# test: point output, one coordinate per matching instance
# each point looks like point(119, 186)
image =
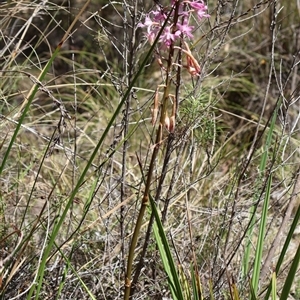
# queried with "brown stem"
point(145, 202)
point(159, 134)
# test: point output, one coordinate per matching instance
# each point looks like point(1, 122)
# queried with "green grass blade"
point(263, 221)
point(287, 242)
point(246, 257)
point(274, 296)
point(252, 293)
point(291, 275)
point(164, 259)
point(261, 237)
point(166, 255)
point(26, 109)
point(184, 284)
point(194, 284)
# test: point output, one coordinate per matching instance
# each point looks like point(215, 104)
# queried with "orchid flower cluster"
point(175, 21)
point(156, 18)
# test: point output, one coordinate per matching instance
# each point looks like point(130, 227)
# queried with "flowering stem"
point(157, 30)
point(145, 199)
point(158, 141)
